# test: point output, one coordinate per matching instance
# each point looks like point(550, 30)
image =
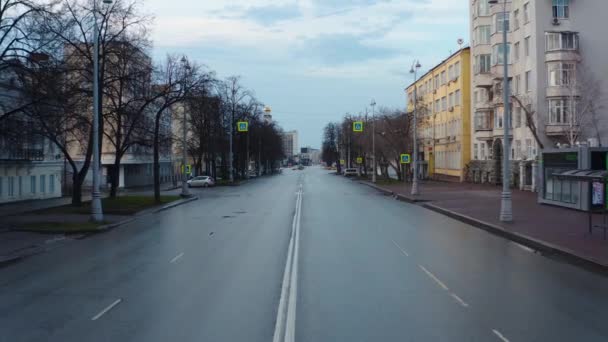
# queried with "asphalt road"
point(364, 267)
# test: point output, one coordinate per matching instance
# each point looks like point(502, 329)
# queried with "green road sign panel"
point(358, 126)
point(359, 160)
point(406, 159)
point(243, 126)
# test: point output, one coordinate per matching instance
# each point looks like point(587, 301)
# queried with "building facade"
point(555, 63)
point(290, 144)
point(444, 115)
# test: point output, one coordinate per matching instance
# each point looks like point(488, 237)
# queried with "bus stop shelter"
point(596, 181)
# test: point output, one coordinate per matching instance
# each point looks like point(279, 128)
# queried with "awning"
point(583, 175)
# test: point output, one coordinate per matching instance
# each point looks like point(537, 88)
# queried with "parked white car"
point(201, 181)
point(351, 172)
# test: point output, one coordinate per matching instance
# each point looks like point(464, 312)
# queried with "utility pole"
point(185, 192)
point(373, 104)
point(414, 70)
point(230, 156)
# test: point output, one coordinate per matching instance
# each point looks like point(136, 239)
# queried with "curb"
point(399, 197)
point(543, 246)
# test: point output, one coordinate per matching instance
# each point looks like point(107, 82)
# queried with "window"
point(517, 114)
point(559, 111)
point(482, 34)
point(483, 63)
point(526, 12)
point(561, 9)
point(561, 74)
point(517, 84)
point(42, 183)
point(529, 149)
point(483, 8)
point(516, 19)
point(498, 54)
point(457, 69)
point(475, 152)
point(527, 46)
point(528, 81)
point(52, 184)
point(457, 98)
point(444, 102)
point(482, 151)
point(498, 117)
point(451, 100)
point(11, 187)
point(516, 51)
point(451, 72)
point(561, 41)
point(437, 106)
point(516, 150)
point(443, 78)
point(437, 82)
point(502, 19)
point(33, 184)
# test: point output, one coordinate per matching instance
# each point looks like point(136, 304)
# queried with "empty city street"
point(301, 256)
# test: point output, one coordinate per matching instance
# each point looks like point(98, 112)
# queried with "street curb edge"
point(523, 239)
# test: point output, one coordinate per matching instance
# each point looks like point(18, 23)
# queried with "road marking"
point(433, 277)
point(108, 308)
point(177, 257)
point(401, 249)
point(284, 329)
point(525, 248)
point(459, 300)
point(55, 239)
point(500, 336)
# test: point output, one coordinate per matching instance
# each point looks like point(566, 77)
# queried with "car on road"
point(350, 172)
point(201, 181)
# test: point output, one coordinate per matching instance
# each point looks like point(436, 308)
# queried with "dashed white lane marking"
point(104, 311)
point(177, 257)
point(459, 300)
point(500, 336)
point(432, 276)
point(401, 249)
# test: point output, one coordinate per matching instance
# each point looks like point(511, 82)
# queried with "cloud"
point(269, 15)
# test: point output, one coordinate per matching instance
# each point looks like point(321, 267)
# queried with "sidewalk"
point(553, 229)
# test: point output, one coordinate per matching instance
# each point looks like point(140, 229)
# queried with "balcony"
point(554, 130)
point(497, 71)
point(562, 55)
point(483, 80)
point(483, 121)
point(23, 154)
point(561, 91)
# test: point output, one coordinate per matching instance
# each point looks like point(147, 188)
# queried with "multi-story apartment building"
point(444, 115)
point(556, 54)
point(30, 165)
point(290, 144)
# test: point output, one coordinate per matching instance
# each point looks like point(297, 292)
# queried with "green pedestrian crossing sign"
point(358, 126)
point(406, 159)
point(243, 126)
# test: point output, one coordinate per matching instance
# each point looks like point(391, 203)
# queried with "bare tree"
point(585, 96)
point(525, 103)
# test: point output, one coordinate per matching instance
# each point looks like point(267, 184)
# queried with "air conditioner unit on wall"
point(556, 21)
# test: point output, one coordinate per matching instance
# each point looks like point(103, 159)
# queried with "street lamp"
point(373, 104)
point(414, 70)
point(96, 208)
point(185, 192)
point(506, 206)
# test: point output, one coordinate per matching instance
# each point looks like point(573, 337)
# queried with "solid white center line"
point(177, 257)
point(433, 277)
point(459, 300)
point(102, 312)
point(401, 249)
point(500, 336)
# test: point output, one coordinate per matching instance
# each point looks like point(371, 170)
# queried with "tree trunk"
point(76, 190)
point(156, 160)
point(115, 177)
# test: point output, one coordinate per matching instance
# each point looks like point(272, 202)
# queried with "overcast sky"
point(312, 61)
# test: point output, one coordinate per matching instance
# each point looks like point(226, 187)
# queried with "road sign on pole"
point(358, 126)
point(359, 160)
point(406, 159)
point(242, 126)
point(187, 170)
point(342, 162)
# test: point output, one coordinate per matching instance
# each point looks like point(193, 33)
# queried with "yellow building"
point(444, 114)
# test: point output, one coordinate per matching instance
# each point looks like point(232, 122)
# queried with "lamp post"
point(373, 104)
point(506, 205)
point(96, 208)
point(185, 191)
point(414, 70)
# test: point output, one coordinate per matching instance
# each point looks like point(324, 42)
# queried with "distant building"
point(310, 156)
point(290, 144)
